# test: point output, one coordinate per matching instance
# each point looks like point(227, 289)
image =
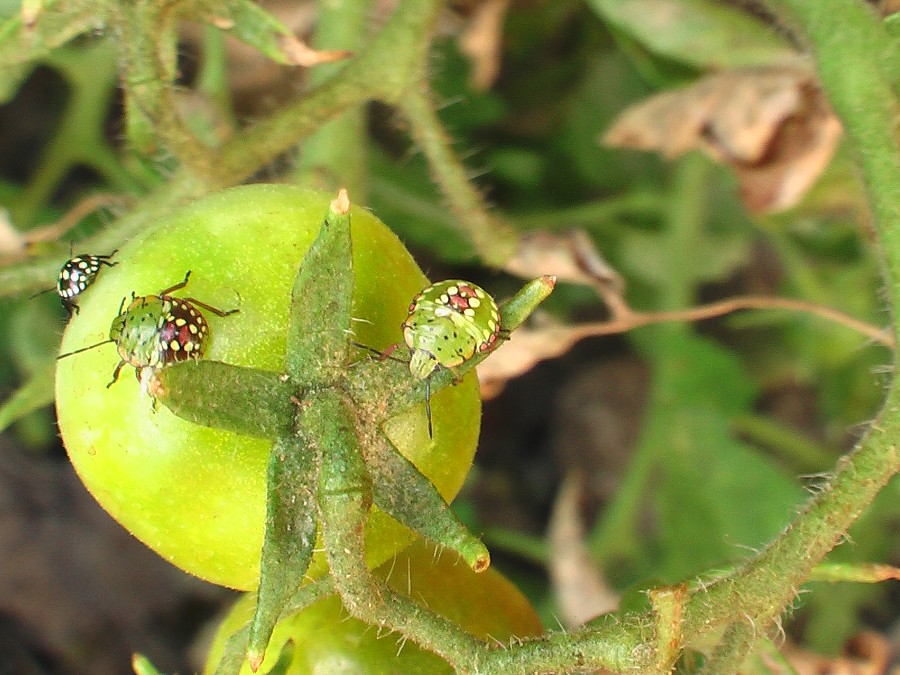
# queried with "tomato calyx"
point(330, 460)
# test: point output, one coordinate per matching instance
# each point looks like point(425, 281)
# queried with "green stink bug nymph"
point(157, 330)
point(448, 323)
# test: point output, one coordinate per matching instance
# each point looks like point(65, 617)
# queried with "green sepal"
point(332, 424)
point(219, 395)
point(321, 300)
point(406, 494)
point(235, 652)
point(290, 536)
point(372, 382)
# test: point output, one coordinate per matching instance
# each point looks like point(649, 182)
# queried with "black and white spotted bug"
point(76, 275)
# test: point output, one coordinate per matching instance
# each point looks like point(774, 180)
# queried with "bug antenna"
point(428, 406)
point(83, 349)
point(34, 295)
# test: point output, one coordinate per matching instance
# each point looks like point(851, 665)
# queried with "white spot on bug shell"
point(474, 302)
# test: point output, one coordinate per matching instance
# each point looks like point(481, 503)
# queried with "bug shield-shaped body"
point(155, 331)
point(448, 324)
point(76, 275)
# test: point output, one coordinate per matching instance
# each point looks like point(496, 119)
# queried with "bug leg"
point(382, 356)
point(105, 259)
point(367, 348)
point(34, 295)
point(177, 286)
point(214, 310)
point(116, 374)
point(83, 349)
point(386, 354)
point(428, 406)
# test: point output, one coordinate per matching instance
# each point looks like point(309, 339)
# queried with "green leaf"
point(715, 495)
point(35, 394)
point(719, 499)
point(702, 33)
point(717, 255)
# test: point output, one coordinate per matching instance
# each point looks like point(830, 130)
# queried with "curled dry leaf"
point(571, 257)
point(772, 126)
point(481, 42)
point(580, 589)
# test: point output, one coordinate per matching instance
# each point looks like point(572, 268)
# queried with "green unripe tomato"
point(196, 495)
point(327, 640)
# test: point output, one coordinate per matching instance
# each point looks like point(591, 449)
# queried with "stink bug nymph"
point(154, 331)
point(448, 323)
point(75, 276)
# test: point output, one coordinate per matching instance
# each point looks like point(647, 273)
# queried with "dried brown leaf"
point(581, 591)
point(525, 348)
point(772, 126)
point(888, 7)
point(865, 654)
point(572, 257)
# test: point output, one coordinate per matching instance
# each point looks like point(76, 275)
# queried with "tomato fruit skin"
point(196, 495)
point(327, 640)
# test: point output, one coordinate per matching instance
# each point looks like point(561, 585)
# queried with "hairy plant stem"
point(494, 239)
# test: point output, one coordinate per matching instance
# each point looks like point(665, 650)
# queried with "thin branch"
point(628, 320)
